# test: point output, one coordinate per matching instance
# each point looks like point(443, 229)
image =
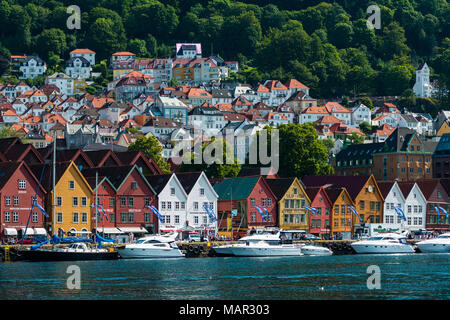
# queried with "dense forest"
point(324, 44)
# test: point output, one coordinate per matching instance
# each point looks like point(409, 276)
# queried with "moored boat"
point(155, 246)
point(383, 243)
point(312, 250)
point(74, 252)
point(440, 244)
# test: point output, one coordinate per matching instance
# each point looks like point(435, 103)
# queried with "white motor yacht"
point(440, 244)
point(259, 245)
point(156, 246)
point(311, 250)
point(383, 243)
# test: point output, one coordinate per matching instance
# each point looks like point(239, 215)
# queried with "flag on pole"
point(103, 211)
point(156, 212)
point(437, 211)
point(210, 212)
point(400, 213)
point(353, 209)
point(40, 208)
point(260, 212)
point(234, 213)
point(444, 211)
point(311, 209)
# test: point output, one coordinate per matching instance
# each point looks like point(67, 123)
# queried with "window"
point(72, 185)
point(112, 202)
point(252, 201)
point(35, 217)
point(169, 205)
point(74, 202)
point(112, 217)
point(22, 184)
point(295, 191)
point(7, 216)
point(123, 217)
point(195, 205)
point(146, 202)
point(372, 205)
point(253, 216)
point(336, 209)
point(286, 204)
point(264, 202)
point(183, 205)
point(195, 219)
point(177, 219)
point(409, 209)
point(205, 219)
point(336, 222)
point(58, 201)
point(84, 201)
point(177, 205)
point(75, 217)
point(123, 202)
point(269, 202)
point(361, 204)
point(84, 218)
point(134, 185)
point(59, 217)
point(202, 191)
point(130, 202)
point(16, 200)
point(7, 200)
point(378, 205)
point(130, 217)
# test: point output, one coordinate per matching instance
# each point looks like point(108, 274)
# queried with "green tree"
point(152, 149)
point(4, 65)
point(53, 40)
point(138, 47)
point(365, 127)
point(301, 152)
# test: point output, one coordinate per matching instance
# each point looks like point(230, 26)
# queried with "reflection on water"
point(411, 276)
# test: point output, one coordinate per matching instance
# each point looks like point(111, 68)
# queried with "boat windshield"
point(140, 241)
point(375, 238)
point(444, 236)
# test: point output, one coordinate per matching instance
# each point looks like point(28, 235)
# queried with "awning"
point(30, 231)
point(40, 232)
point(109, 230)
point(10, 231)
point(133, 230)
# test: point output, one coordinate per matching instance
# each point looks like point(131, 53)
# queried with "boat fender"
point(190, 248)
point(196, 250)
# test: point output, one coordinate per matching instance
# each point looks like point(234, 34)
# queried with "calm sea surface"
point(414, 276)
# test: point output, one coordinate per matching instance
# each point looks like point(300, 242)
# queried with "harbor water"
point(405, 276)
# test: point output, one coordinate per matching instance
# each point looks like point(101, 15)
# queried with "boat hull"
point(265, 252)
point(434, 247)
point(223, 251)
point(316, 251)
point(47, 255)
point(134, 253)
point(381, 248)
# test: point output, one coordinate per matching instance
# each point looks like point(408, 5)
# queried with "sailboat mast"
point(54, 182)
point(95, 201)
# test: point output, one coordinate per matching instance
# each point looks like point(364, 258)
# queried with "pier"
point(205, 249)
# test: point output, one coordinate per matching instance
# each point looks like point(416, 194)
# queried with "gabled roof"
point(280, 186)
point(7, 169)
point(405, 187)
point(19, 152)
point(236, 188)
point(99, 157)
point(353, 184)
point(188, 179)
point(385, 187)
point(427, 186)
point(158, 182)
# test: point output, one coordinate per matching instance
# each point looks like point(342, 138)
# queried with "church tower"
point(422, 86)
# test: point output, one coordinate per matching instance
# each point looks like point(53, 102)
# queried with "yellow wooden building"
point(292, 199)
point(73, 198)
point(341, 216)
point(444, 128)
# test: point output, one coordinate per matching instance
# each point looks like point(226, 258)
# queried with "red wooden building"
point(320, 222)
point(124, 193)
point(437, 196)
point(242, 194)
point(18, 187)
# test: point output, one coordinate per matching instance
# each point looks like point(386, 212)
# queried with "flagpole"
point(95, 203)
point(54, 182)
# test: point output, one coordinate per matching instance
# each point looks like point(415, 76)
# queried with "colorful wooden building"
point(292, 199)
point(18, 187)
point(73, 199)
point(320, 220)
